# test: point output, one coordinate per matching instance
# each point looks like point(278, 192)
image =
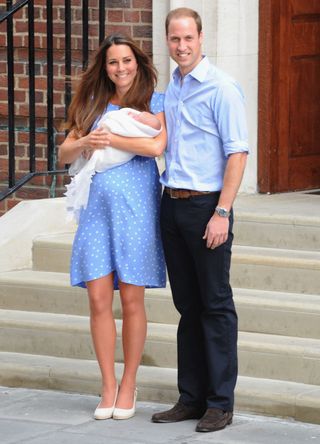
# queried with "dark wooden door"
point(289, 95)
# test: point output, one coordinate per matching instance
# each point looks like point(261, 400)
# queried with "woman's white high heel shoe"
point(126, 413)
point(106, 413)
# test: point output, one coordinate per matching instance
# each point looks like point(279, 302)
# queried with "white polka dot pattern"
point(119, 230)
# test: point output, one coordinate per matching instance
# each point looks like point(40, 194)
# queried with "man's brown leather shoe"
point(179, 412)
point(214, 419)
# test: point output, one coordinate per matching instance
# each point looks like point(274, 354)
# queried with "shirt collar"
point(199, 72)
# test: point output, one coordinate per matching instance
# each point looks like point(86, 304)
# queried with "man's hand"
point(216, 232)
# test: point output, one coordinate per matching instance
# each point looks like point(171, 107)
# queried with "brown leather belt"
point(176, 193)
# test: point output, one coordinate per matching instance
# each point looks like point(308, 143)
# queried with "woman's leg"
point(134, 329)
point(103, 331)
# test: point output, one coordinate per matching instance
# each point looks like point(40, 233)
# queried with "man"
point(205, 161)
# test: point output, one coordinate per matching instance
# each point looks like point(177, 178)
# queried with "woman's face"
point(121, 66)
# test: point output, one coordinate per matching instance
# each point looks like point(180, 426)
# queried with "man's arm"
point(216, 232)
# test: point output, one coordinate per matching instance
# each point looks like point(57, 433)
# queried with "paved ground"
point(47, 417)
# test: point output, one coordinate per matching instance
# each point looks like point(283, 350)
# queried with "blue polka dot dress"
point(119, 229)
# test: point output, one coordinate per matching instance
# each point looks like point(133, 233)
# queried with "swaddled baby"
point(124, 122)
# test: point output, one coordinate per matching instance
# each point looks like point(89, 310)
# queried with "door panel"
point(304, 107)
point(301, 7)
point(289, 94)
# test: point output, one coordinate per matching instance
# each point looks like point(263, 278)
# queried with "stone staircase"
point(45, 339)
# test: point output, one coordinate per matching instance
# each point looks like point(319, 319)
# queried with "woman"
point(117, 244)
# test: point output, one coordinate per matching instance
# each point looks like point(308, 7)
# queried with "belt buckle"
point(171, 190)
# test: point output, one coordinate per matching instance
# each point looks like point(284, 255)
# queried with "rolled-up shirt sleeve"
point(230, 116)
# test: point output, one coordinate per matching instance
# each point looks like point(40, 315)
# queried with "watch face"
point(222, 212)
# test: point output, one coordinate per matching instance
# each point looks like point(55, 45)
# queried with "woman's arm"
point(74, 146)
point(144, 146)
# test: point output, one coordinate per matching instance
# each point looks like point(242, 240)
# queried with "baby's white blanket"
point(117, 122)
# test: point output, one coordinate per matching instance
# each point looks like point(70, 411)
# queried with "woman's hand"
point(75, 145)
point(96, 139)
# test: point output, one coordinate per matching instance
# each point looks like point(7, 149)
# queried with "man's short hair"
point(184, 12)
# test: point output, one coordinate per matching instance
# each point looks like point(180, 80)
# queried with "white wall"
point(230, 30)
point(24, 222)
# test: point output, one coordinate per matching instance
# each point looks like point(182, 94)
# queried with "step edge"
point(288, 398)
point(166, 333)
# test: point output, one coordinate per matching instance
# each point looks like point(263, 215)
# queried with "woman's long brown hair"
point(95, 89)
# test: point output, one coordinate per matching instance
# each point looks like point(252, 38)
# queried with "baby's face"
point(135, 116)
point(146, 118)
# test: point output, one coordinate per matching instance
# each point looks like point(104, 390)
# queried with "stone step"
point(64, 335)
point(276, 269)
point(274, 231)
point(60, 335)
point(45, 291)
point(280, 313)
point(270, 269)
point(287, 221)
point(52, 252)
point(269, 397)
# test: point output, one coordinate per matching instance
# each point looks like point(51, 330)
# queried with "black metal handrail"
point(8, 17)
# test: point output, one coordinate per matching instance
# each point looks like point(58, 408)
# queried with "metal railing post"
point(50, 137)
point(11, 119)
point(32, 108)
point(8, 16)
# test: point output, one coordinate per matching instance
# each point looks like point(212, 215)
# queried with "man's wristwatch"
point(222, 212)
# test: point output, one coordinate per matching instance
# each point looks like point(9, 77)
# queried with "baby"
point(117, 122)
point(124, 122)
point(146, 118)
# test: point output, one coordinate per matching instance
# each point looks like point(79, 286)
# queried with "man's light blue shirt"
point(206, 122)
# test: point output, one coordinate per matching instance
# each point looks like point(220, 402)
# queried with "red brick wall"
point(131, 16)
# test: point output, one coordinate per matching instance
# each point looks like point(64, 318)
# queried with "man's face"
point(184, 43)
